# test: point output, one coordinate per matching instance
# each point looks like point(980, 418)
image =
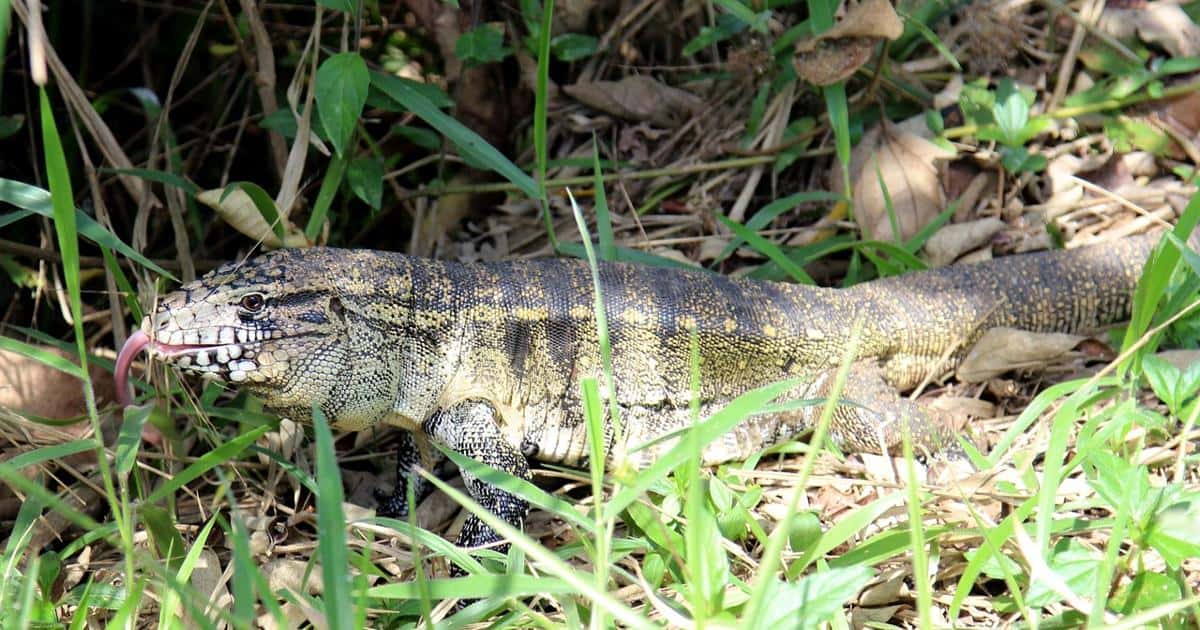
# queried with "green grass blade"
point(331, 528)
point(63, 208)
point(24, 611)
point(14, 549)
point(207, 462)
point(839, 119)
point(162, 177)
point(49, 359)
point(472, 146)
point(757, 606)
point(244, 571)
point(171, 600)
point(769, 249)
point(521, 488)
point(540, 105)
point(549, 562)
point(436, 544)
point(334, 174)
point(604, 228)
point(80, 618)
point(127, 293)
point(475, 587)
point(13, 217)
point(130, 438)
point(916, 530)
point(931, 37)
point(846, 529)
point(1156, 277)
point(710, 429)
point(769, 212)
point(39, 201)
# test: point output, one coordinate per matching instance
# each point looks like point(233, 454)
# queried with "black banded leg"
point(472, 427)
point(413, 451)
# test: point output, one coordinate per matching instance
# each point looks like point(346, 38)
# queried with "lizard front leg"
point(870, 416)
point(875, 417)
point(472, 427)
point(414, 450)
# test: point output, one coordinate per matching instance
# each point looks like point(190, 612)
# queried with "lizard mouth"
point(207, 359)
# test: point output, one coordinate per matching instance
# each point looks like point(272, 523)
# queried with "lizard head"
point(257, 325)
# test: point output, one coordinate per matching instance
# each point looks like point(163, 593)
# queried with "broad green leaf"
point(365, 176)
point(813, 599)
point(9, 125)
point(574, 46)
point(1011, 115)
point(1072, 563)
point(727, 26)
point(481, 45)
point(1175, 532)
point(162, 527)
point(1162, 377)
point(1146, 590)
point(345, 6)
point(342, 82)
point(130, 437)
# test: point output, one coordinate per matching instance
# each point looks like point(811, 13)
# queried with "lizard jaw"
point(214, 361)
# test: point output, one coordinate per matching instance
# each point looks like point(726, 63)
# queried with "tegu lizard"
point(487, 358)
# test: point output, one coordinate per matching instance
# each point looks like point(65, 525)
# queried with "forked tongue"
point(133, 346)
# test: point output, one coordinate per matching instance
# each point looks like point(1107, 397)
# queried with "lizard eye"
point(253, 302)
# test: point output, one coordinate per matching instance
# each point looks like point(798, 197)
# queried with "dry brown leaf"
point(953, 241)
point(961, 406)
point(240, 212)
point(835, 54)
point(861, 617)
point(207, 582)
point(907, 165)
point(1065, 189)
point(293, 617)
point(31, 387)
point(1182, 359)
point(834, 60)
point(1002, 349)
point(638, 97)
point(1162, 23)
point(286, 573)
point(890, 588)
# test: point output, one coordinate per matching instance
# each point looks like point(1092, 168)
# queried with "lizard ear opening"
point(336, 308)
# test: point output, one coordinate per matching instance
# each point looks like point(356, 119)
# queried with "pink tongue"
point(134, 345)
